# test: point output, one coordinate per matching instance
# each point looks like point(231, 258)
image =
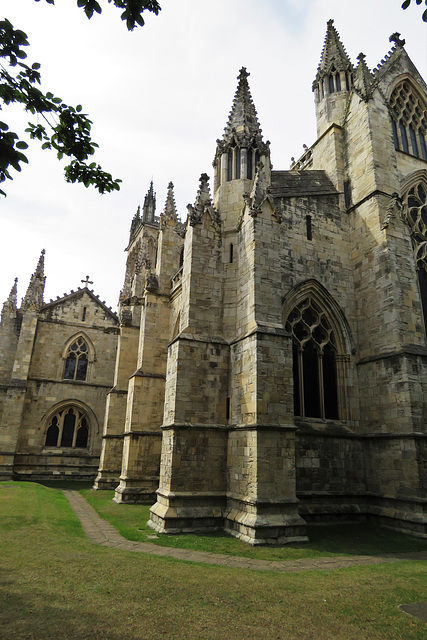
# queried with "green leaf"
point(21, 145)
point(406, 4)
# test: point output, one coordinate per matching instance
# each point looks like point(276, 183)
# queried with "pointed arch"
point(408, 111)
point(321, 347)
point(70, 425)
point(414, 213)
point(78, 356)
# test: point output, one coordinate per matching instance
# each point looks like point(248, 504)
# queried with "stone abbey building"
point(271, 363)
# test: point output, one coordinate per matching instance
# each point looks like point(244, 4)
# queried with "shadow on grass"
point(331, 540)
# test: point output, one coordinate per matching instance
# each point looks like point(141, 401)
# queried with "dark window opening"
point(237, 164)
point(52, 433)
point(227, 409)
point(330, 384)
point(310, 376)
point(77, 361)
point(181, 258)
point(338, 82)
point(422, 283)
point(249, 165)
point(404, 137)
point(331, 84)
point(395, 137)
point(347, 194)
point(84, 314)
point(423, 145)
point(413, 141)
point(308, 227)
point(230, 166)
point(231, 252)
point(68, 428)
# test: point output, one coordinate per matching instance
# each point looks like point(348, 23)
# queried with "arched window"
point(314, 361)
point(415, 214)
point(409, 120)
point(68, 427)
point(76, 360)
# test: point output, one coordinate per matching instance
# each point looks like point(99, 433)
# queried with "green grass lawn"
point(354, 539)
point(57, 585)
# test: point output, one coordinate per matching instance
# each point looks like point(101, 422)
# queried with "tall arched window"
point(314, 361)
point(415, 214)
point(68, 427)
point(76, 360)
point(409, 120)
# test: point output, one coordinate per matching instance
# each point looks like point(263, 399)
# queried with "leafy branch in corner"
point(132, 14)
point(406, 4)
point(65, 129)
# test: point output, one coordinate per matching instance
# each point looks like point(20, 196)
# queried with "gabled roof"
point(77, 294)
point(288, 184)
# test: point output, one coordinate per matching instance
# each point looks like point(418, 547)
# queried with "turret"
point(242, 146)
point(333, 81)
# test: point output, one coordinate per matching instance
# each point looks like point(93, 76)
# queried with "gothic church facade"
point(271, 365)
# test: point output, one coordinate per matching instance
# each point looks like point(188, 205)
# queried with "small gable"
point(80, 307)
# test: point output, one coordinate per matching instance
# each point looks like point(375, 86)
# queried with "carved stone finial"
point(395, 37)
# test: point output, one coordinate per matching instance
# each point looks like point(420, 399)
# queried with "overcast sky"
point(159, 98)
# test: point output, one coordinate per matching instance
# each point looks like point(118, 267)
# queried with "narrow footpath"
point(102, 532)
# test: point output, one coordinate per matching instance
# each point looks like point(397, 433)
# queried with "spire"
point(136, 220)
point(334, 56)
point(169, 212)
point(243, 126)
point(9, 307)
point(34, 297)
point(149, 207)
point(363, 79)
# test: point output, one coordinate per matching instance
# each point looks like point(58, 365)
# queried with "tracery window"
point(409, 120)
point(68, 427)
point(314, 361)
point(76, 361)
point(415, 213)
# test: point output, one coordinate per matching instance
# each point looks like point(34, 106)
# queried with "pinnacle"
point(34, 297)
point(333, 54)
point(169, 212)
point(243, 120)
point(10, 304)
point(149, 207)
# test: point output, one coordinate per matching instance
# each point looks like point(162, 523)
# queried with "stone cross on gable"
point(87, 281)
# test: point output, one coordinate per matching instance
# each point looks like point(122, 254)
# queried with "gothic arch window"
point(319, 352)
point(314, 369)
point(409, 120)
point(415, 214)
point(68, 427)
point(77, 356)
point(76, 361)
